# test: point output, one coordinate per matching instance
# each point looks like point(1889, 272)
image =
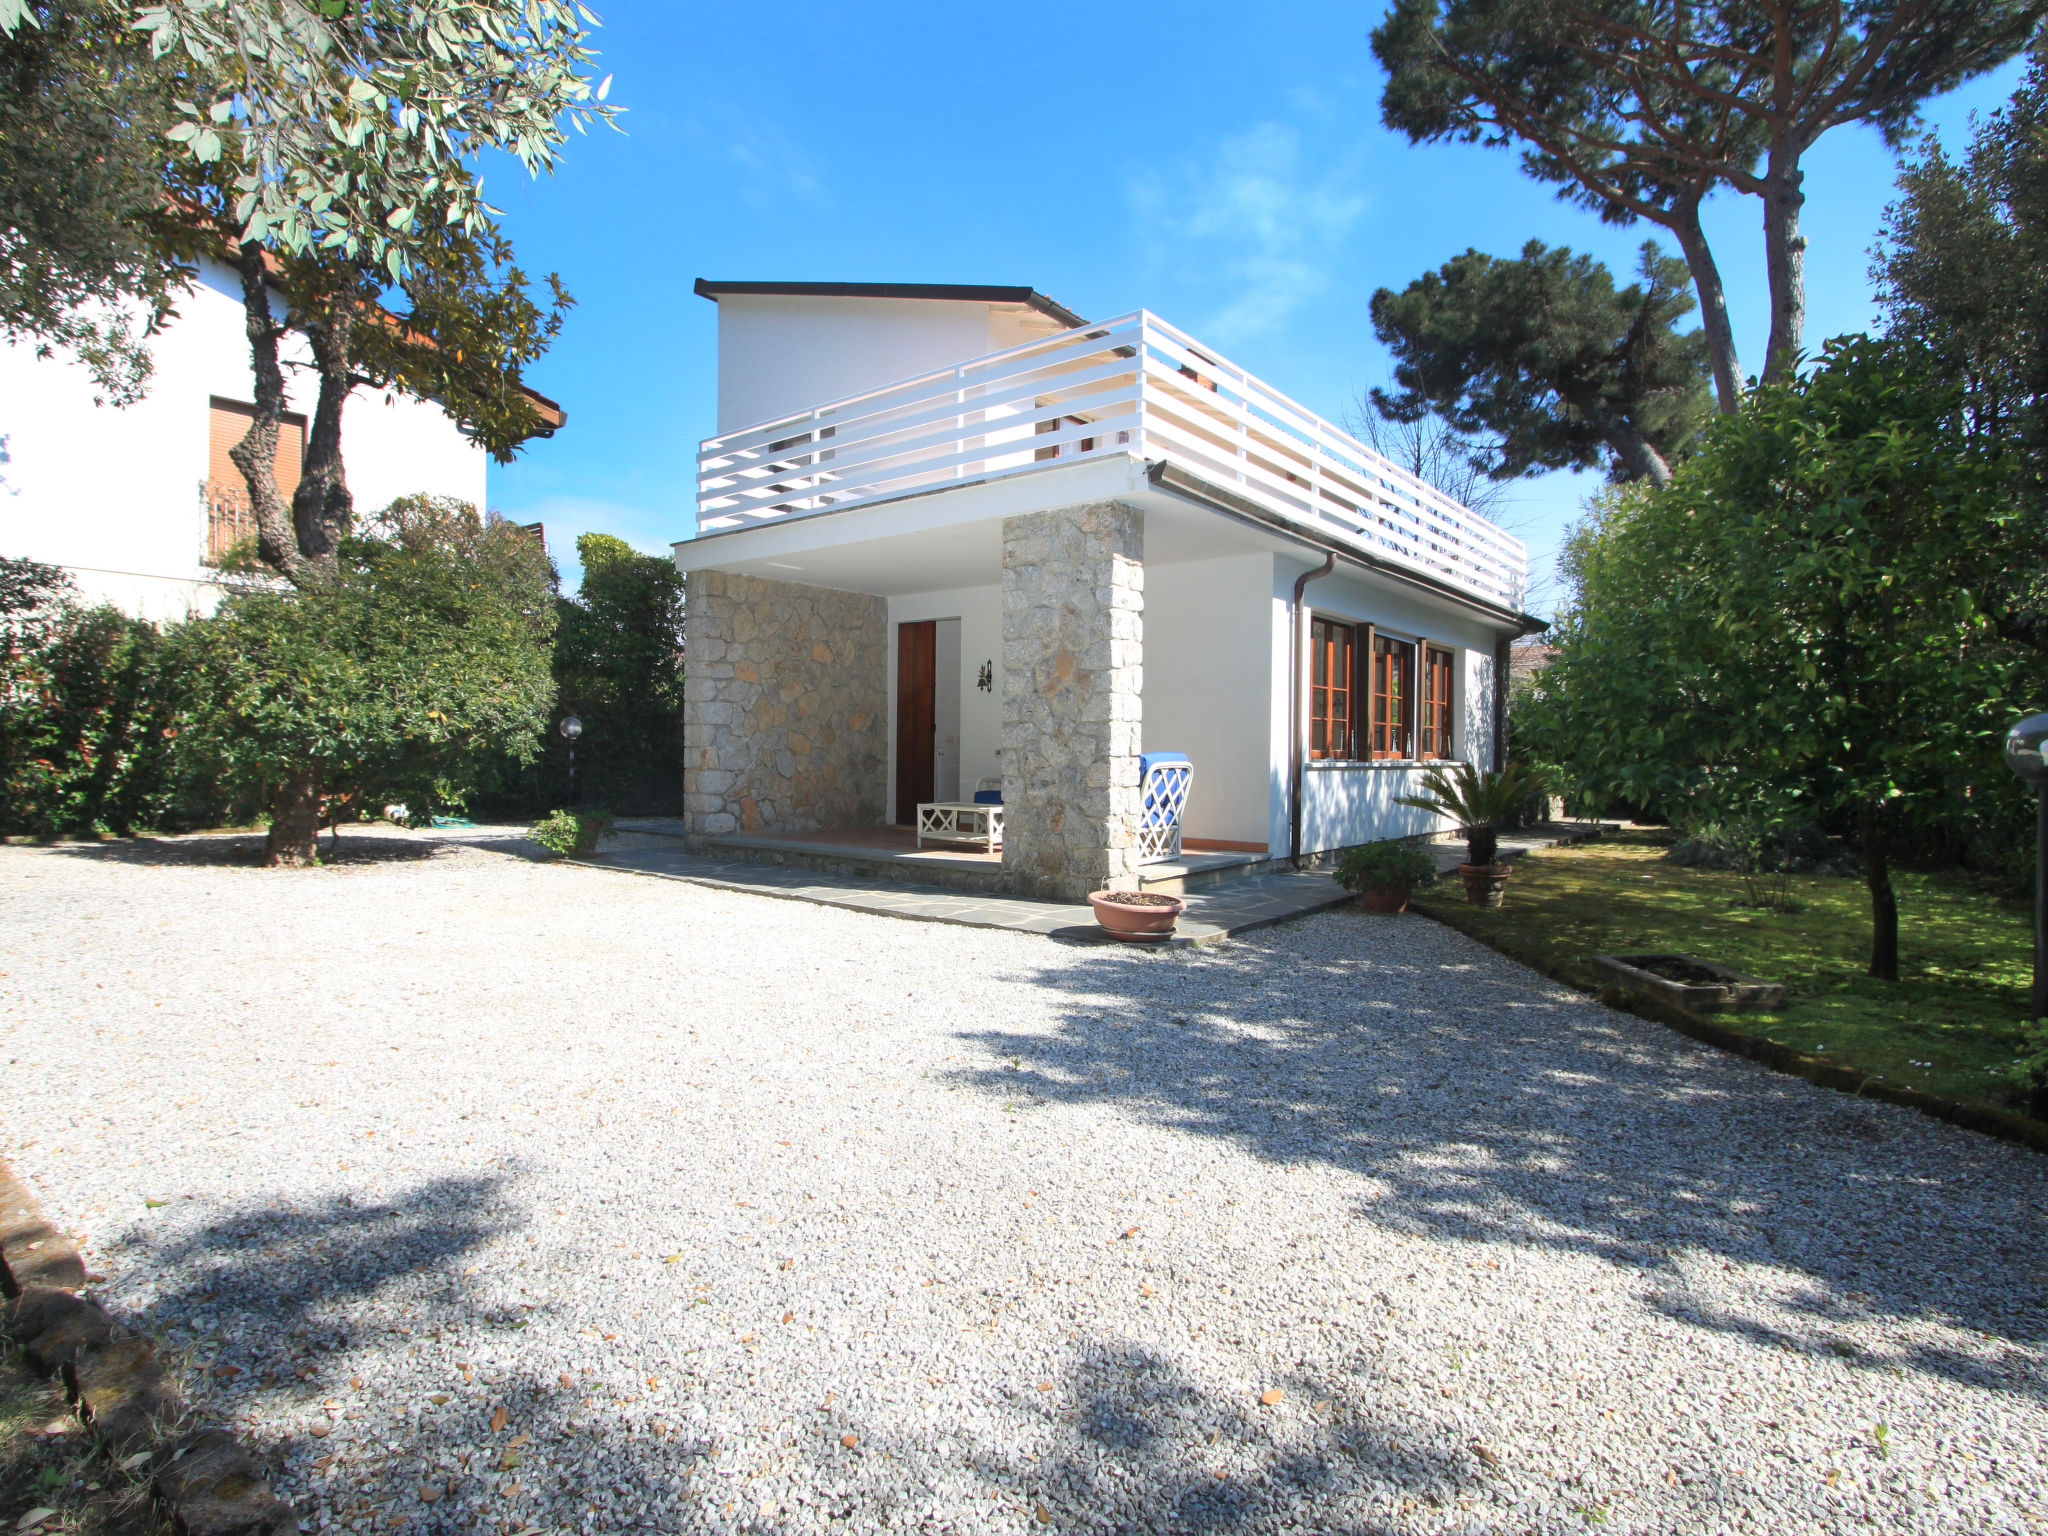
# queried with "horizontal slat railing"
point(1134, 386)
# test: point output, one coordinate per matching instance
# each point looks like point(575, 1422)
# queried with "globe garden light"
point(571, 729)
point(2026, 754)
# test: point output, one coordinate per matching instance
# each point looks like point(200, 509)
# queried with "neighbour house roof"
point(972, 293)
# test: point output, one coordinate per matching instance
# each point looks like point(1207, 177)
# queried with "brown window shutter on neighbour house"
point(228, 423)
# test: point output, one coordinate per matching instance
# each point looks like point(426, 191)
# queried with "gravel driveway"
point(502, 1195)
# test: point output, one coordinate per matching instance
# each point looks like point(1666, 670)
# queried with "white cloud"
point(1256, 215)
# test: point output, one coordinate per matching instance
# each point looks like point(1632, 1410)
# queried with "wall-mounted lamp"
point(986, 682)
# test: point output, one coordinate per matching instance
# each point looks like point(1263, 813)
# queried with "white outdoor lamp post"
point(571, 729)
point(2026, 754)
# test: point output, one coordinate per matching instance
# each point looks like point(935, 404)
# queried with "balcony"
point(1134, 386)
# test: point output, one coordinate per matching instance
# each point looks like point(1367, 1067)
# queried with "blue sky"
point(1223, 168)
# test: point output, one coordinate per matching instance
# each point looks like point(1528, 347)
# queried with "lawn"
point(1946, 1027)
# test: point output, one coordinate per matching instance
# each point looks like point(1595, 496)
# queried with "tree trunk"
point(1642, 461)
point(1706, 283)
point(322, 508)
point(256, 454)
point(294, 821)
point(1884, 902)
point(1785, 257)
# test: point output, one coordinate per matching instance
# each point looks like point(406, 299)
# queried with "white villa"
point(138, 503)
point(955, 537)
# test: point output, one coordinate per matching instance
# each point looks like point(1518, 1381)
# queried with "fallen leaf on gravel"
point(1834, 1478)
point(1146, 1290)
point(830, 1399)
point(319, 1429)
point(1271, 1396)
point(1485, 1454)
point(789, 1317)
point(746, 1338)
point(849, 1441)
point(154, 1204)
point(471, 1270)
point(789, 1263)
point(508, 1490)
point(35, 1516)
point(517, 1441)
point(130, 1463)
point(1045, 1386)
point(438, 1399)
point(567, 1380)
point(498, 1419)
point(674, 1258)
point(227, 1372)
point(430, 1493)
point(608, 1335)
point(324, 1463)
point(356, 1382)
point(1044, 1515)
point(1133, 1232)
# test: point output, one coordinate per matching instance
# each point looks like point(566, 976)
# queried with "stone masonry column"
point(1073, 676)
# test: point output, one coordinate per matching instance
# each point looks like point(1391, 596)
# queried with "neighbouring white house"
point(138, 503)
point(951, 538)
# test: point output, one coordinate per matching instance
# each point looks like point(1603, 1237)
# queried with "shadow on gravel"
point(1492, 1106)
point(286, 1305)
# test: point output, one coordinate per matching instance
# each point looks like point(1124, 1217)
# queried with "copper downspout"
point(1294, 707)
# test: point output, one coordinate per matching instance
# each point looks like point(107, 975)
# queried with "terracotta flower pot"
point(1486, 885)
point(1149, 919)
point(1385, 898)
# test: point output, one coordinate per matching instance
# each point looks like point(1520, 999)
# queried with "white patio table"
point(960, 821)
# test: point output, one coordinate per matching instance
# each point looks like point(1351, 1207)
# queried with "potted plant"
point(1481, 801)
point(1385, 874)
point(572, 832)
point(1137, 917)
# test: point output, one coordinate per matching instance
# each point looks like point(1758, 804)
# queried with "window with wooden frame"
point(1333, 671)
point(230, 520)
point(1393, 694)
point(1436, 702)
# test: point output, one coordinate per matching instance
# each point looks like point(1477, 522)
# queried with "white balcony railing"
point(1132, 386)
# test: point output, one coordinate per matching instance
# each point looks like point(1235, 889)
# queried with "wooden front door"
point(916, 700)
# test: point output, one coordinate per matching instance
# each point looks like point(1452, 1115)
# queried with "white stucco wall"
point(113, 495)
point(980, 612)
point(781, 354)
point(1207, 689)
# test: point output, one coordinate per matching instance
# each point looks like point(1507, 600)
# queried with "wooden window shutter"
point(228, 423)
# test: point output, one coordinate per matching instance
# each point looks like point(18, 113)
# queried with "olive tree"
point(1796, 622)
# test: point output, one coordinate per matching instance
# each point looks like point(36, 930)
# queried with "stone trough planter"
point(1688, 982)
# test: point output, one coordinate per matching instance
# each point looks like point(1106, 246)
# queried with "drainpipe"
point(1503, 659)
point(1294, 707)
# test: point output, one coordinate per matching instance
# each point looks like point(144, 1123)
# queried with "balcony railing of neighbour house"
point(1133, 386)
point(230, 520)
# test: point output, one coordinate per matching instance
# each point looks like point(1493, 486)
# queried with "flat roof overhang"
point(952, 535)
point(970, 293)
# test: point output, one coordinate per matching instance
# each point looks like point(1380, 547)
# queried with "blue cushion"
point(988, 797)
point(1147, 761)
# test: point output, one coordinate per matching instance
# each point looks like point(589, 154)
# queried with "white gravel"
point(754, 1215)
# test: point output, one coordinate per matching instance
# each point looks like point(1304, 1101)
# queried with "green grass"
point(1965, 955)
point(47, 1462)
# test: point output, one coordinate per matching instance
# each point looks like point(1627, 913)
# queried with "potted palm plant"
point(1480, 801)
point(1385, 874)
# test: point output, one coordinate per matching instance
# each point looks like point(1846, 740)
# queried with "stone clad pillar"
point(1073, 677)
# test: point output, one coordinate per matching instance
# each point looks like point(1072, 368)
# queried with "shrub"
point(566, 832)
point(1382, 866)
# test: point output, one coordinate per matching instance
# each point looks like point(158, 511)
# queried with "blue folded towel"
point(988, 797)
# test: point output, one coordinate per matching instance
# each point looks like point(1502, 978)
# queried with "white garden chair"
point(1164, 779)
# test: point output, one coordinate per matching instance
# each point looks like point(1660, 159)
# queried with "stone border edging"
point(204, 1480)
point(2028, 1133)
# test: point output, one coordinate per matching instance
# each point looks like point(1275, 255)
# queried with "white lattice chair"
point(1164, 779)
